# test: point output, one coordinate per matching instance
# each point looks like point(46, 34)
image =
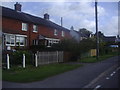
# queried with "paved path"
point(77, 78)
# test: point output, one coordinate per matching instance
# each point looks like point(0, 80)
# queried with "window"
point(24, 26)
point(63, 34)
point(50, 42)
point(55, 32)
point(20, 41)
point(35, 28)
point(35, 42)
point(10, 40)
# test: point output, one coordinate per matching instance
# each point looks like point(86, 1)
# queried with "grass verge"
point(93, 59)
point(31, 73)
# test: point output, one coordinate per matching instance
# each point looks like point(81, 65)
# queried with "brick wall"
point(15, 27)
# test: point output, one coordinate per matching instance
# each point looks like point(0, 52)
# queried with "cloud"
point(111, 28)
point(77, 14)
point(8, 4)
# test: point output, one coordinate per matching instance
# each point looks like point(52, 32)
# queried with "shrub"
point(17, 57)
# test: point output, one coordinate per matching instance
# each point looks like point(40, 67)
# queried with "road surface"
point(92, 75)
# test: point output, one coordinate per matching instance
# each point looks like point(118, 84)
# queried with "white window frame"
point(10, 39)
point(20, 39)
point(62, 33)
point(35, 42)
point(14, 39)
point(55, 32)
point(35, 28)
point(52, 41)
point(24, 26)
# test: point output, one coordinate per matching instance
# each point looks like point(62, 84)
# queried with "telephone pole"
point(97, 37)
point(61, 21)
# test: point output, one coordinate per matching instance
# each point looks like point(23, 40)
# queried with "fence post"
point(8, 62)
point(36, 60)
point(57, 57)
point(48, 57)
point(23, 60)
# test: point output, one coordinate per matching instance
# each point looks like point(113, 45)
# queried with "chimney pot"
point(46, 16)
point(18, 6)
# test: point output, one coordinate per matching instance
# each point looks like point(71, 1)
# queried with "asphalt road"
point(91, 75)
point(110, 79)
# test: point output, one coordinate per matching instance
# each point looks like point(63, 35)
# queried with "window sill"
point(35, 31)
point(9, 45)
point(20, 45)
point(55, 34)
point(24, 30)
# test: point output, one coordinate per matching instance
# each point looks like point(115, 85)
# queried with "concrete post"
point(36, 60)
point(23, 60)
point(8, 61)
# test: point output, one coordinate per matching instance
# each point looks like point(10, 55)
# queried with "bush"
point(17, 57)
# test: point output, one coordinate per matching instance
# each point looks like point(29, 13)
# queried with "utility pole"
point(61, 21)
point(97, 37)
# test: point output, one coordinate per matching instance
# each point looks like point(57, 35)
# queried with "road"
point(92, 75)
point(108, 79)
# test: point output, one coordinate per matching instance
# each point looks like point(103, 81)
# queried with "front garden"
point(75, 53)
point(31, 73)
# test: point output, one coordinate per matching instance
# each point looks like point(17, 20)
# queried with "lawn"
point(93, 59)
point(31, 73)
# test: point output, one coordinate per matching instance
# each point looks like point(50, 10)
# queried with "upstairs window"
point(35, 28)
point(63, 34)
point(24, 26)
point(55, 32)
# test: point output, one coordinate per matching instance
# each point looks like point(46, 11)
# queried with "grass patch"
point(93, 59)
point(31, 73)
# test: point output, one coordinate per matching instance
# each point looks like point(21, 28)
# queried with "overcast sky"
point(76, 14)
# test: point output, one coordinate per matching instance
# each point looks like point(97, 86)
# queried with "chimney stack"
point(18, 6)
point(46, 16)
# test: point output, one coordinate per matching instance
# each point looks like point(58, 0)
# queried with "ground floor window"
point(50, 42)
point(20, 41)
point(15, 40)
point(10, 40)
point(35, 42)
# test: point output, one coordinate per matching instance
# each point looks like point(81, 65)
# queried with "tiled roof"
point(109, 38)
point(10, 13)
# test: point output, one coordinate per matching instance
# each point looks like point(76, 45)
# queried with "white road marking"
point(111, 74)
point(107, 78)
point(117, 68)
point(101, 75)
point(114, 72)
point(98, 86)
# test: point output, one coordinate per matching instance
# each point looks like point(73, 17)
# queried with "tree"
point(76, 48)
point(85, 32)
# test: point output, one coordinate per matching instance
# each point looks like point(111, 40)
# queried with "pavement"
point(88, 76)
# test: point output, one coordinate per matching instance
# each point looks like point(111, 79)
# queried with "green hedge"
point(16, 57)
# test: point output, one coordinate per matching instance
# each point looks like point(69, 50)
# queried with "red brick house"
point(22, 29)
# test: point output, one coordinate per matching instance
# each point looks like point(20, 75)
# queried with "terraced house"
point(22, 29)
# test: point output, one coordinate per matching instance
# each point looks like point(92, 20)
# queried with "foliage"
point(85, 31)
point(93, 59)
point(76, 48)
point(17, 57)
point(30, 73)
point(86, 45)
point(35, 48)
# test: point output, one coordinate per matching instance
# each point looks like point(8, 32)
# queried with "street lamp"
point(97, 37)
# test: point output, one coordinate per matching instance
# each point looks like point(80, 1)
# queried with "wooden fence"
point(49, 57)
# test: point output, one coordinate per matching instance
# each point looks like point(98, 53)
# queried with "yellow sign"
point(93, 52)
